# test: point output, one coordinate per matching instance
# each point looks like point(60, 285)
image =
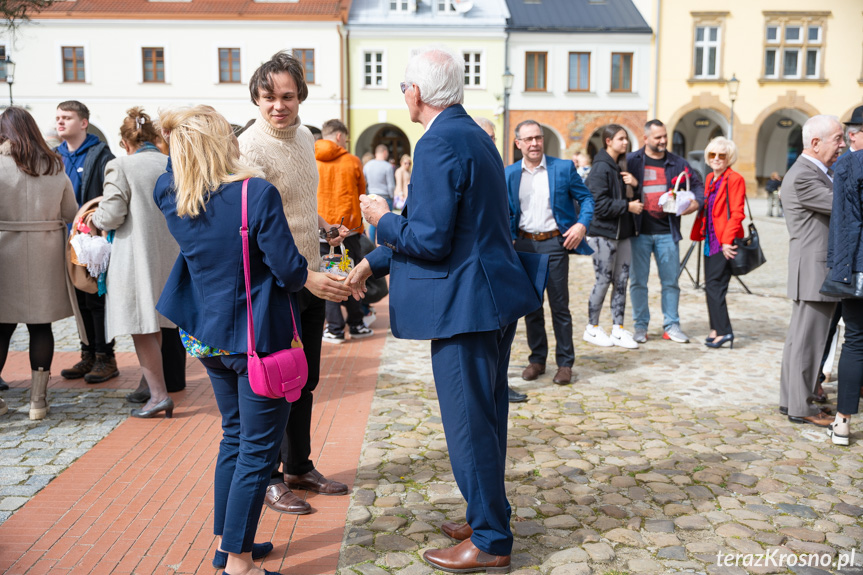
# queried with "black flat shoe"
point(166, 405)
point(718, 342)
point(140, 395)
point(3, 385)
point(259, 551)
point(516, 396)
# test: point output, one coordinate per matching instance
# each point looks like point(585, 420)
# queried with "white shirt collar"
point(429, 125)
point(542, 164)
point(817, 162)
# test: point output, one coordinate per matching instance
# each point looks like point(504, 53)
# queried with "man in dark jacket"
point(656, 170)
point(84, 157)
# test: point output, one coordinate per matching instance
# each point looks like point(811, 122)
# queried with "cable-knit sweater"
point(287, 158)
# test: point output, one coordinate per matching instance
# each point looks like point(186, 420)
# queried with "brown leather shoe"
point(466, 558)
point(104, 368)
point(81, 368)
point(532, 371)
point(563, 376)
point(315, 482)
point(280, 498)
point(821, 420)
point(457, 531)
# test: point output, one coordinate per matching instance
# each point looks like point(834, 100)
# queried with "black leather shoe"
point(140, 395)
point(827, 410)
point(783, 410)
point(516, 396)
point(3, 385)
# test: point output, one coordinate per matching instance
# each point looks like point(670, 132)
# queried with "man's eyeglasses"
point(405, 85)
point(531, 139)
point(712, 155)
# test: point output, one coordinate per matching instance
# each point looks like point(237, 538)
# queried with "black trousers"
point(834, 324)
point(297, 441)
point(354, 308)
point(92, 308)
point(851, 360)
point(173, 359)
point(717, 274)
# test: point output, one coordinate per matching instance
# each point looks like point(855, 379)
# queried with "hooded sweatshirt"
point(86, 167)
point(340, 185)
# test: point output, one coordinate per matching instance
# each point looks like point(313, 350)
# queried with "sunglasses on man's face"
point(712, 155)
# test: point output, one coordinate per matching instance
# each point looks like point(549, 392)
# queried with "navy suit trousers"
point(470, 372)
point(252, 428)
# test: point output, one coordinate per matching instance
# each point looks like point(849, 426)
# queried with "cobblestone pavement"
point(654, 461)
point(32, 453)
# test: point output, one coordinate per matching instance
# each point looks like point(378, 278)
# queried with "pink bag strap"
point(244, 231)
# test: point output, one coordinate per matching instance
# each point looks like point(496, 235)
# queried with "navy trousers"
point(252, 429)
point(471, 382)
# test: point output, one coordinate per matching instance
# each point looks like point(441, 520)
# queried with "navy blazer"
point(565, 187)
point(844, 255)
point(452, 266)
point(205, 294)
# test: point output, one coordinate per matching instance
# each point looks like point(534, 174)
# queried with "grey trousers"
point(611, 262)
point(801, 357)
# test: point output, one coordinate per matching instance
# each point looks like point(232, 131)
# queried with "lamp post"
point(508, 78)
point(733, 86)
point(10, 76)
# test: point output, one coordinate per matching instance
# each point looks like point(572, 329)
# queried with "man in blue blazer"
point(455, 279)
point(543, 192)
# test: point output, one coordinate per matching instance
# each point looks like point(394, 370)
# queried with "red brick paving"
point(140, 500)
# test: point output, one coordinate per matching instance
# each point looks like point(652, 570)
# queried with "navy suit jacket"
point(205, 294)
point(452, 266)
point(565, 187)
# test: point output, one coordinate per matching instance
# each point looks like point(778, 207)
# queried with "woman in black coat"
point(609, 234)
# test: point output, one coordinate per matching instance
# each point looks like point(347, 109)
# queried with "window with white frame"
point(473, 72)
point(706, 57)
point(446, 6)
point(792, 50)
point(402, 6)
point(373, 69)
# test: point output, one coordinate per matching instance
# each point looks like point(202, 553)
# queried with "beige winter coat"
point(143, 252)
point(34, 211)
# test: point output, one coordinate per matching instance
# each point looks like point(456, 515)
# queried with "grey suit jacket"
point(807, 199)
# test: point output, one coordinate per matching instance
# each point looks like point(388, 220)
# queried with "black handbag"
point(749, 255)
point(841, 290)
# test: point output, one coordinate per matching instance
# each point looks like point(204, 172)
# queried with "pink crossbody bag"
point(282, 373)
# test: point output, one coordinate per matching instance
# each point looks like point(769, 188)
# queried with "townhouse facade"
point(123, 53)
point(578, 66)
point(782, 61)
point(382, 36)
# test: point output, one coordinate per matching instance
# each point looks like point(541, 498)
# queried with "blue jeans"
point(373, 229)
point(252, 428)
point(667, 254)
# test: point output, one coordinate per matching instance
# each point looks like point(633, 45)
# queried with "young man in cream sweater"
point(284, 149)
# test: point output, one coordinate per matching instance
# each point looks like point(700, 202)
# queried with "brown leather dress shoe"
point(532, 371)
point(563, 376)
point(315, 482)
point(458, 531)
point(466, 558)
point(280, 498)
point(821, 420)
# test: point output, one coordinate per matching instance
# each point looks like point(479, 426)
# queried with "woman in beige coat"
point(142, 254)
point(36, 203)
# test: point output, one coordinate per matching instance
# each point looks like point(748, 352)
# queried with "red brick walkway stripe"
point(140, 501)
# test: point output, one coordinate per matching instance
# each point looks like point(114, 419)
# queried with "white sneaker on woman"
point(597, 336)
point(622, 338)
point(840, 431)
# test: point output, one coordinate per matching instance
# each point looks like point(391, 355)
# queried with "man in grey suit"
point(807, 198)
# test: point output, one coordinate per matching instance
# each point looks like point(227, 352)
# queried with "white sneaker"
point(840, 431)
point(597, 336)
point(622, 338)
point(370, 317)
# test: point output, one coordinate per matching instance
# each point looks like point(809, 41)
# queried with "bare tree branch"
point(14, 12)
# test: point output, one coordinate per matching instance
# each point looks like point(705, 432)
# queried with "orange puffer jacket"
point(340, 185)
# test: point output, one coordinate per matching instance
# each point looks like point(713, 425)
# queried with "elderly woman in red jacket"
point(719, 222)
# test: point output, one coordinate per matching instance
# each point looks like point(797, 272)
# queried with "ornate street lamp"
point(508, 78)
point(733, 86)
point(10, 76)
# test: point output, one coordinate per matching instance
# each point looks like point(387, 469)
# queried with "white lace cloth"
point(683, 200)
point(92, 251)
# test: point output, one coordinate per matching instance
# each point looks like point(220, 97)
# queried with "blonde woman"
point(403, 180)
point(200, 197)
point(142, 254)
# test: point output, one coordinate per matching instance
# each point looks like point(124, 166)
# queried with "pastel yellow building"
point(382, 35)
point(793, 59)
